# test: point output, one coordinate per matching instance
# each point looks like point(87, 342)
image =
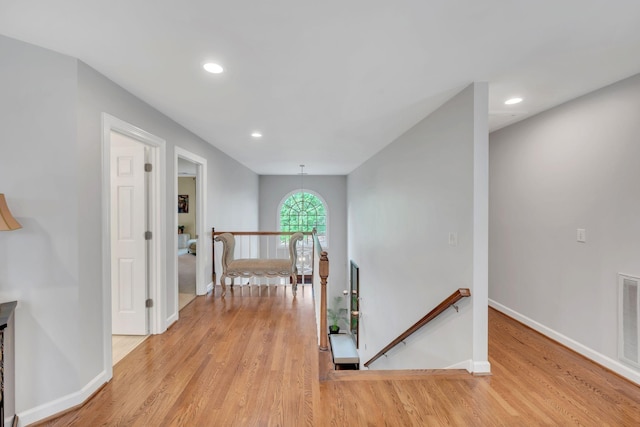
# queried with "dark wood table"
point(6, 310)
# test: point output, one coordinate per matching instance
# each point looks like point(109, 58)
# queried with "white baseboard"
point(481, 368)
point(465, 364)
point(476, 368)
point(587, 352)
point(62, 404)
point(171, 320)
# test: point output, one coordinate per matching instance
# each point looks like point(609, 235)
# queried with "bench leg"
point(223, 284)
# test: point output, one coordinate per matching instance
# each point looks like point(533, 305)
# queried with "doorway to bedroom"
point(187, 241)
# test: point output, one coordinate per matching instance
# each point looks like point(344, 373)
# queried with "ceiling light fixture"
point(256, 135)
point(213, 68)
point(513, 101)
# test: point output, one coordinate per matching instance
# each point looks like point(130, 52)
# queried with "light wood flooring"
point(251, 359)
point(184, 299)
point(121, 345)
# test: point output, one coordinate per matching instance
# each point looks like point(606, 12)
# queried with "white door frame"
point(157, 218)
point(201, 215)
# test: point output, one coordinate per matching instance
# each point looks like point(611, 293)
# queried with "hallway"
point(251, 359)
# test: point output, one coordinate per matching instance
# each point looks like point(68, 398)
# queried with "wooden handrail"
point(260, 233)
point(448, 302)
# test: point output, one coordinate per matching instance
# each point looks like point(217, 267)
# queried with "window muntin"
point(304, 211)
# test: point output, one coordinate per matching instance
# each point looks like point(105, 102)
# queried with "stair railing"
point(448, 302)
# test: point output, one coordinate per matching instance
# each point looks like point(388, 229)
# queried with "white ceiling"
point(329, 83)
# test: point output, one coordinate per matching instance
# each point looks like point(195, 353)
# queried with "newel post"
point(213, 257)
point(324, 273)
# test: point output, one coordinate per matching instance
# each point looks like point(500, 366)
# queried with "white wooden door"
point(128, 244)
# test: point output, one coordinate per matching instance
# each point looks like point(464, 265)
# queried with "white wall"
point(41, 264)
point(50, 170)
point(333, 189)
point(575, 166)
point(402, 205)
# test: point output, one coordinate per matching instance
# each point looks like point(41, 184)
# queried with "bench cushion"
point(259, 267)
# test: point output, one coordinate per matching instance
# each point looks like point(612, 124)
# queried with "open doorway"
point(191, 244)
point(187, 234)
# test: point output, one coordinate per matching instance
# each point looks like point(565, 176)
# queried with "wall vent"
point(629, 319)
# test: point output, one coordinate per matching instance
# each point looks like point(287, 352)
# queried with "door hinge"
point(148, 167)
point(148, 235)
point(148, 303)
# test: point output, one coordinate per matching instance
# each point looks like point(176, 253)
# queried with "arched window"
point(304, 211)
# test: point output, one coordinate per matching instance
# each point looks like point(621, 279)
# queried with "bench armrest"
point(293, 251)
point(228, 248)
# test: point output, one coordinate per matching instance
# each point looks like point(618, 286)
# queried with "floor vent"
point(629, 319)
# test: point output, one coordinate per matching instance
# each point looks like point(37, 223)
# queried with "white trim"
point(476, 368)
point(480, 368)
point(157, 192)
point(587, 352)
point(172, 319)
point(201, 215)
point(61, 404)
point(621, 338)
point(465, 364)
point(480, 289)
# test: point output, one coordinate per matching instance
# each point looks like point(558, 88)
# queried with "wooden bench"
point(257, 267)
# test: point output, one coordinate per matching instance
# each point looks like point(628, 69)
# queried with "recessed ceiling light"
point(213, 68)
point(256, 135)
point(513, 101)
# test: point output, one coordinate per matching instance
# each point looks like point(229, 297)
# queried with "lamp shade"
point(7, 221)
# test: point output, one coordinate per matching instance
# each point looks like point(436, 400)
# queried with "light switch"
point(582, 235)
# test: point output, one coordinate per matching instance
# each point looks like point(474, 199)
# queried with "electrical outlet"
point(582, 235)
